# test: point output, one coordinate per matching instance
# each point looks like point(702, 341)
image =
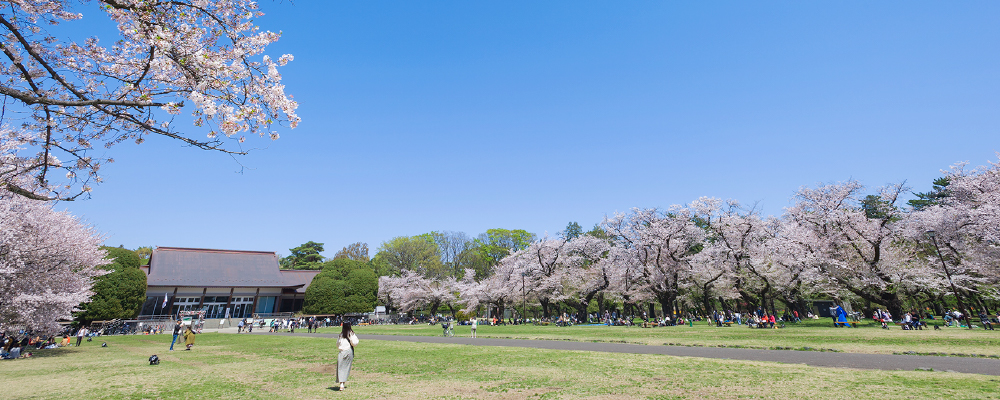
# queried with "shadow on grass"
point(334, 388)
point(46, 353)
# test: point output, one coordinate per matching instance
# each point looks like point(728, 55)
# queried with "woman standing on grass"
point(189, 337)
point(346, 344)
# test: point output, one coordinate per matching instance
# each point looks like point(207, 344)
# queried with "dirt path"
point(969, 365)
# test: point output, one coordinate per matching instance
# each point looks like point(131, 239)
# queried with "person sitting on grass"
point(917, 323)
point(13, 353)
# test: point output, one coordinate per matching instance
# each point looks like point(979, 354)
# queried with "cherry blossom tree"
point(505, 285)
point(65, 98)
point(653, 249)
point(590, 269)
point(857, 235)
point(48, 261)
point(735, 254)
point(412, 291)
point(793, 261)
point(957, 238)
point(544, 269)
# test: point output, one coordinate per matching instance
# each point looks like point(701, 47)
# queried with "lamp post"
point(961, 306)
point(524, 300)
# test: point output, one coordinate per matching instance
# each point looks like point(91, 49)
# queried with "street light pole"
point(524, 301)
point(961, 306)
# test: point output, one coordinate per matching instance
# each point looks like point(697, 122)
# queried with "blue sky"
point(465, 116)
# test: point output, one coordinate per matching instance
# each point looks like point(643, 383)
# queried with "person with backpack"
point(345, 344)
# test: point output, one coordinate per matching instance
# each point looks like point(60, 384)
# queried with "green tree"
point(415, 253)
point(118, 294)
point(322, 294)
point(598, 232)
point(344, 286)
point(305, 256)
point(357, 251)
point(144, 253)
point(573, 230)
point(939, 191)
point(496, 244)
point(364, 283)
point(456, 250)
point(339, 268)
point(877, 208)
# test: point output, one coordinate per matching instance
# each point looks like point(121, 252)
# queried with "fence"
point(132, 326)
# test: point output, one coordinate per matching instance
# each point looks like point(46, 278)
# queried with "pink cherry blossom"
point(74, 96)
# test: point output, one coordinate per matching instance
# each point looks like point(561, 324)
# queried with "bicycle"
point(449, 330)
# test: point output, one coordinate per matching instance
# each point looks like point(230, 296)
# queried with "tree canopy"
point(120, 293)
point(72, 98)
point(48, 260)
point(344, 286)
point(415, 253)
point(355, 251)
point(305, 256)
point(495, 244)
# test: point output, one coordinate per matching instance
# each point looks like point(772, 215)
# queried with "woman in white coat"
point(345, 344)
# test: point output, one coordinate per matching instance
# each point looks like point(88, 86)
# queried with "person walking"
point(177, 332)
point(188, 338)
point(79, 335)
point(345, 344)
point(475, 324)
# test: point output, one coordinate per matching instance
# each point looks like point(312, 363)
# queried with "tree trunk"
point(982, 307)
point(545, 307)
point(706, 299)
point(581, 313)
point(600, 304)
point(938, 307)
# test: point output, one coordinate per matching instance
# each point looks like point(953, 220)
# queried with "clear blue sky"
point(465, 116)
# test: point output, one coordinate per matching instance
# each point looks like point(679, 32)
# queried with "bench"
point(848, 324)
point(727, 323)
point(649, 324)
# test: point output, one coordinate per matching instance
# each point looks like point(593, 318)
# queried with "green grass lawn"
point(228, 366)
point(868, 338)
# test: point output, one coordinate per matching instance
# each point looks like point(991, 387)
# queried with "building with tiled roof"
point(242, 282)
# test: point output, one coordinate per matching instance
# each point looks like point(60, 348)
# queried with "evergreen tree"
point(118, 294)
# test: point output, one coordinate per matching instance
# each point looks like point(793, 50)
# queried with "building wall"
point(242, 302)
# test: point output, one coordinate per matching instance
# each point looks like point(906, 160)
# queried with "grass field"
point(869, 338)
point(228, 366)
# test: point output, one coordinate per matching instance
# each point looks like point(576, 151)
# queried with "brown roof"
point(176, 266)
point(299, 277)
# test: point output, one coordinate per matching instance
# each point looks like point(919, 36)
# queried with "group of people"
point(183, 329)
point(312, 324)
point(953, 318)
point(14, 348)
point(910, 320)
point(915, 320)
point(448, 326)
point(18, 346)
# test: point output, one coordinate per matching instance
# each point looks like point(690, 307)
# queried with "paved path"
point(986, 366)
